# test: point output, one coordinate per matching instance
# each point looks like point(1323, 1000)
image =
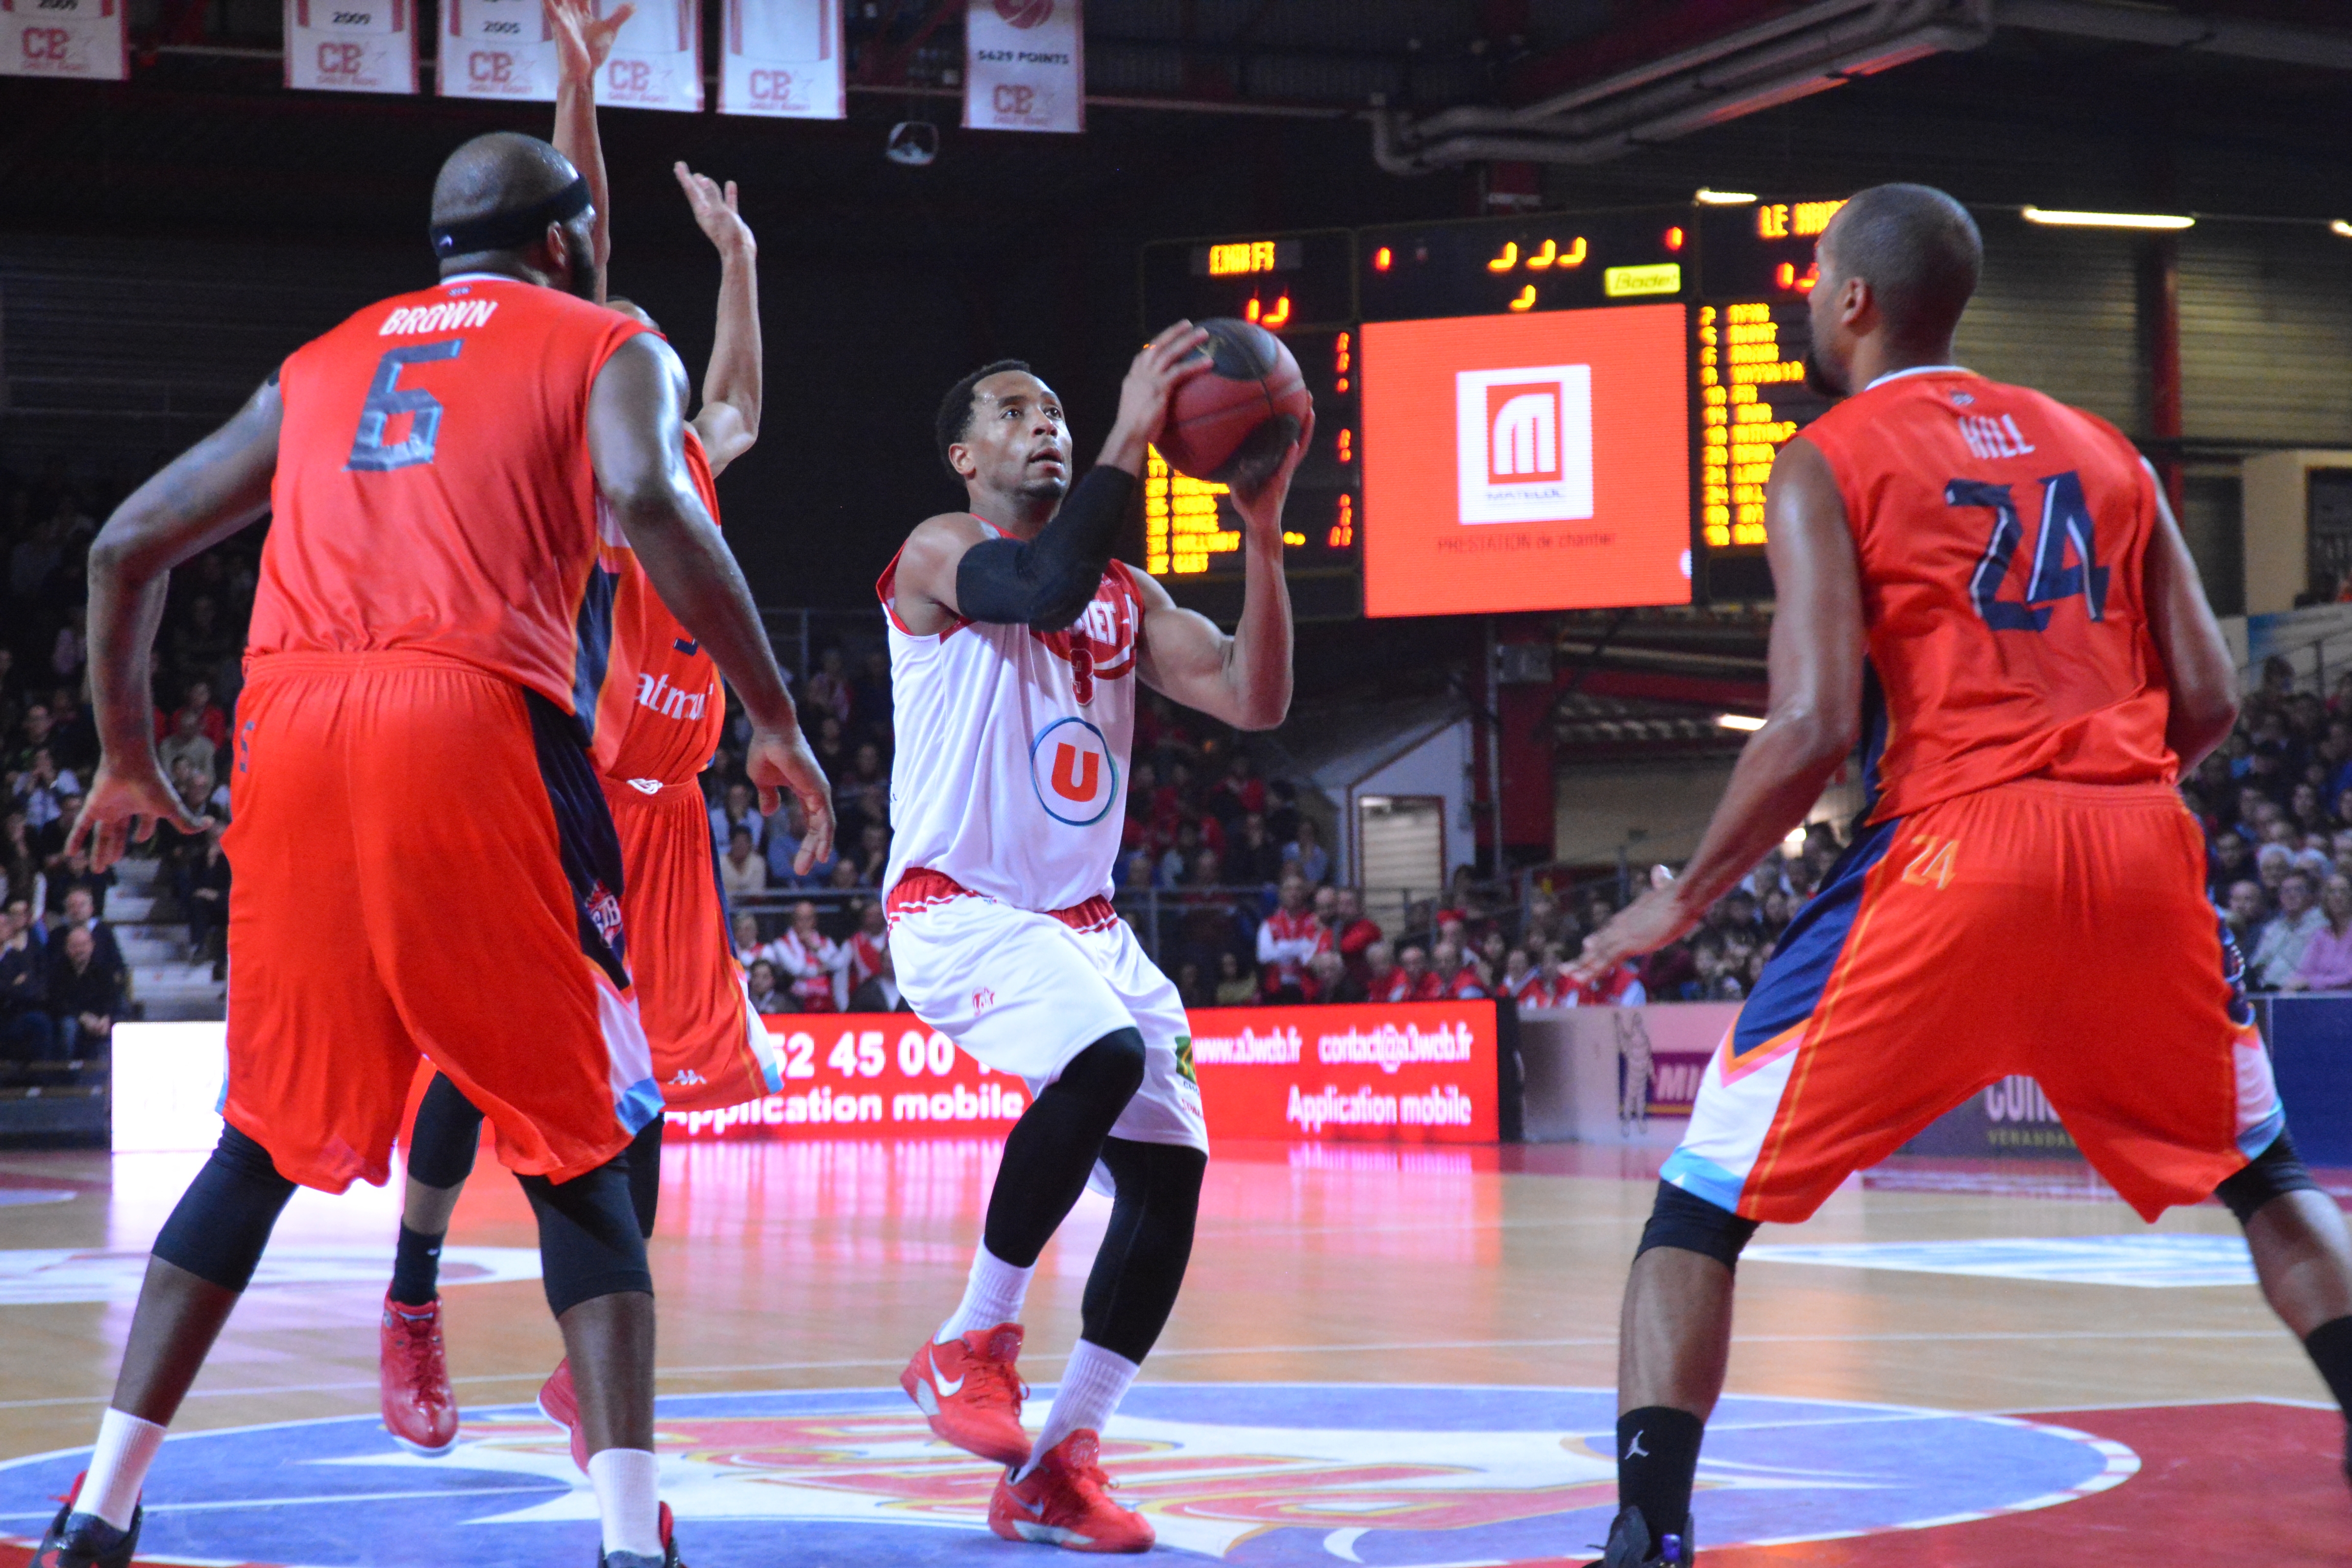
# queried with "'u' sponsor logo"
point(1076, 777)
point(1076, 772)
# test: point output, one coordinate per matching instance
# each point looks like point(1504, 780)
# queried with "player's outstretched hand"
point(1645, 925)
point(1261, 504)
point(715, 211)
point(583, 40)
point(780, 760)
point(1169, 360)
point(124, 805)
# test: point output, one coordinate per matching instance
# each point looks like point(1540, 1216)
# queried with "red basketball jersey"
point(432, 489)
point(659, 711)
point(2001, 537)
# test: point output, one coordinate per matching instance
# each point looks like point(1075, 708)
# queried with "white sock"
point(628, 1499)
point(118, 1467)
point(1092, 1386)
point(992, 1295)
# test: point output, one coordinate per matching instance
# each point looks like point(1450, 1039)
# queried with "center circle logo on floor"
point(1077, 778)
point(1244, 1473)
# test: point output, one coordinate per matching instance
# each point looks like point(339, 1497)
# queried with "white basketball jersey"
point(1011, 772)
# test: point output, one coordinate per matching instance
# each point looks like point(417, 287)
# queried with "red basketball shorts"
point(709, 1049)
point(422, 863)
point(2060, 930)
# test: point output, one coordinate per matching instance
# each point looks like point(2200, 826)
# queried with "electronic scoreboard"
point(1549, 411)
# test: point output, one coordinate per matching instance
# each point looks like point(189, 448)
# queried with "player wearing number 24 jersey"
point(1985, 588)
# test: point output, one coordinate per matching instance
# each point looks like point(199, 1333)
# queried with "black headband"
point(510, 230)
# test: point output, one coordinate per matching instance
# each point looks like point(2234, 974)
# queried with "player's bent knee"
point(1111, 1068)
point(2272, 1173)
point(222, 1224)
point(442, 1139)
point(1691, 1223)
point(1162, 1174)
point(589, 1245)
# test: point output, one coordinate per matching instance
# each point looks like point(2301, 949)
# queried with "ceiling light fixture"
point(1706, 197)
point(1739, 721)
point(2062, 219)
point(2339, 227)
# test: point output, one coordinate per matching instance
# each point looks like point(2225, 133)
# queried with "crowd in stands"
point(1226, 873)
point(2275, 804)
point(63, 981)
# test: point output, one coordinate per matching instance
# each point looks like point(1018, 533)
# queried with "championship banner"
point(350, 45)
point(782, 58)
point(80, 40)
point(496, 48)
point(1024, 66)
point(656, 60)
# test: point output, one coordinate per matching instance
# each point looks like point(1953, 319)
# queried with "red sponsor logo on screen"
point(1522, 433)
point(1560, 481)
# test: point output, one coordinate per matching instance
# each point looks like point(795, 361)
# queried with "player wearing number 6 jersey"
point(1995, 580)
point(649, 698)
point(425, 866)
point(1016, 648)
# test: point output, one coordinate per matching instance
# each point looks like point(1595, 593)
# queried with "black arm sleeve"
point(1046, 582)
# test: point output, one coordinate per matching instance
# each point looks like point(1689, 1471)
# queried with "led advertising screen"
point(1527, 462)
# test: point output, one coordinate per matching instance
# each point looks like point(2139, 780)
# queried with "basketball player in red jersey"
point(2026, 893)
point(424, 861)
point(655, 720)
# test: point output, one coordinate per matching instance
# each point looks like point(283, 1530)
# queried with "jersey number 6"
point(2065, 517)
point(386, 400)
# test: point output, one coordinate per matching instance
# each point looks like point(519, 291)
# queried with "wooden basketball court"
point(1340, 1383)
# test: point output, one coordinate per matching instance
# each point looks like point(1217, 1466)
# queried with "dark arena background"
point(1579, 235)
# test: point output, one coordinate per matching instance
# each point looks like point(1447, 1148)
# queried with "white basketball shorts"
point(1024, 993)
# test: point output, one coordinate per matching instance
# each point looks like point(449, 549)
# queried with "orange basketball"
point(1234, 424)
point(1025, 13)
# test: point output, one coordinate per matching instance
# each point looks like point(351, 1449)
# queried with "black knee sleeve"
point(1680, 1219)
point(1107, 1074)
point(223, 1222)
point(588, 1240)
point(644, 1175)
point(1145, 1250)
point(449, 1129)
point(1051, 1149)
point(2272, 1173)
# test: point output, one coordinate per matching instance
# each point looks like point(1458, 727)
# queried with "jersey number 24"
point(2065, 518)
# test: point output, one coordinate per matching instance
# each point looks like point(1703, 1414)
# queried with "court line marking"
point(433, 1493)
point(2163, 1404)
point(1194, 1352)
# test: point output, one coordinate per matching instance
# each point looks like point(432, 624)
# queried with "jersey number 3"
point(386, 400)
point(2066, 519)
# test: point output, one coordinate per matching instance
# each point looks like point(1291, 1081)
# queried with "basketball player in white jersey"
point(1016, 644)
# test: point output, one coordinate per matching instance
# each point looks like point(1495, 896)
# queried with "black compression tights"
point(1053, 1148)
point(1141, 1265)
point(447, 1130)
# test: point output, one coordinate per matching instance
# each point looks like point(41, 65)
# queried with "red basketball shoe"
point(419, 1409)
point(560, 1403)
point(967, 1390)
point(1065, 1501)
